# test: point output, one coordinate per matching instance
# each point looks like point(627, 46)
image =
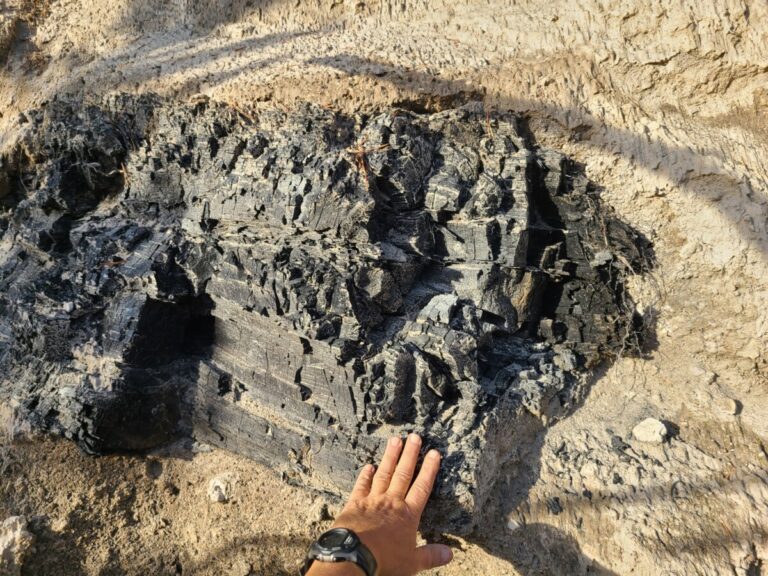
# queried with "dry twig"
point(360, 158)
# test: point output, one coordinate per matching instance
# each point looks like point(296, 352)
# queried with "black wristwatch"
point(340, 545)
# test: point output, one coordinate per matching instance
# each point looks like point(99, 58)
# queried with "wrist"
point(335, 569)
point(340, 552)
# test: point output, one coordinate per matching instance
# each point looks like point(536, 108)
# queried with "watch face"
point(338, 539)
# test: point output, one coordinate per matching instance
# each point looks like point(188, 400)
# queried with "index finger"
point(417, 496)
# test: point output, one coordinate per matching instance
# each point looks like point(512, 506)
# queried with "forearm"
point(334, 569)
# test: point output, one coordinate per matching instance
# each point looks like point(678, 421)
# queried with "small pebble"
point(554, 506)
point(220, 489)
point(651, 431)
point(513, 524)
point(728, 405)
point(16, 542)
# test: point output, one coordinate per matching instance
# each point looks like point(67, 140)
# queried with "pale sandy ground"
point(665, 104)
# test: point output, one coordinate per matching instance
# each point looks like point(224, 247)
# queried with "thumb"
point(432, 556)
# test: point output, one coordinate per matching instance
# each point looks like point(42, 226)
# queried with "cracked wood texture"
point(296, 286)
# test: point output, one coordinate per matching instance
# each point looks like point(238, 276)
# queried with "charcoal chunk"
point(299, 286)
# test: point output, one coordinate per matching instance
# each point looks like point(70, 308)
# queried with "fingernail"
point(394, 441)
point(414, 439)
point(434, 454)
point(446, 555)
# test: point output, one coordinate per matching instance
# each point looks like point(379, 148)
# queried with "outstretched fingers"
point(386, 469)
point(403, 475)
point(363, 484)
point(422, 487)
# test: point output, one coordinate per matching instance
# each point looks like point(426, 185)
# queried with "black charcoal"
point(296, 287)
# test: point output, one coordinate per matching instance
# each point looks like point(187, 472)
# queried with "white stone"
point(15, 543)
point(513, 524)
point(650, 430)
point(753, 350)
point(220, 488)
point(727, 405)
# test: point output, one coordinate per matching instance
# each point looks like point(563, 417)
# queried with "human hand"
point(384, 510)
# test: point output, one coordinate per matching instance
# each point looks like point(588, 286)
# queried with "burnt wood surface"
point(296, 286)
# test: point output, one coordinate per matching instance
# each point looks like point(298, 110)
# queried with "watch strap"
point(365, 560)
point(361, 556)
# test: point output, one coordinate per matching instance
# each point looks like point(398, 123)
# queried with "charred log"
point(296, 287)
